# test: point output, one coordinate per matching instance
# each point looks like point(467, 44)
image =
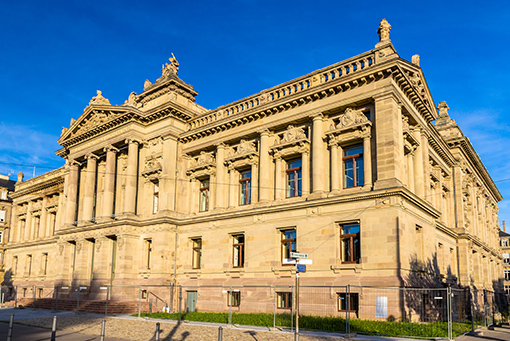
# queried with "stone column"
point(221, 181)
point(109, 181)
point(168, 179)
point(279, 189)
point(318, 163)
point(341, 168)
point(305, 172)
point(367, 161)
point(389, 135)
point(43, 220)
point(254, 182)
point(90, 187)
point(28, 222)
point(131, 177)
point(419, 183)
point(410, 168)
point(72, 192)
point(232, 187)
point(264, 166)
point(335, 176)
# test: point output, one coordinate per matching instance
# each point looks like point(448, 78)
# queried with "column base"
point(334, 193)
point(317, 195)
point(387, 183)
point(103, 219)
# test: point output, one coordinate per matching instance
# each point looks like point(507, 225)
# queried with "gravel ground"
point(140, 330)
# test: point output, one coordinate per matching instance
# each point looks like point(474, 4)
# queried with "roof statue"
point(416, 59)
point(384, 31)
point(172, 68)
point(99, 99)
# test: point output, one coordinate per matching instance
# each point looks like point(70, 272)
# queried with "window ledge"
point(339, 267)
point(193, 273)
point(234, 272)
point(284, 271)
point(145, 273)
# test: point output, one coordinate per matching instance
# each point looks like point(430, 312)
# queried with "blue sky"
point(56, 54)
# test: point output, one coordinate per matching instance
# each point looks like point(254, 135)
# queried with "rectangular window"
point(14, 265)
point(238, 251)
point(2, 216)
point(44, 264)
point(53, 220)
point(155, 198)
point(148, 253)
point(353, 166)
point(29, 265)
point(92, 256)
point(245, 184)
point(346, 304)
point(283, 300)
point(507, 275)
point(294, 178)
point(234, 298)
point(288, 243)
point(504, 242)
point(3, 195)
point(507, 289)
point(204, 195)
point(350, 243)
point(197, 253)
point(1, 237)
point(40, 292)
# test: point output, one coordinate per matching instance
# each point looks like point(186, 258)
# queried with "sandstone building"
point(344, 164)
point(6, 188)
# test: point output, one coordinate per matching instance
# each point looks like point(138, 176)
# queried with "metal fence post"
point(274, 307)
point(56, 298)
point(139, 300)
point(78, 301)
point(180, 302)
point(230, 296)
point(33, 302)
point(348, 312)
point(157, 331)
point(220, 333)
point(472, 310)
point(292, 311)
point(11, 323)
point(171, 297)
point(54, 328)
point(449, 312)
point(103, 325)
point(106, 305)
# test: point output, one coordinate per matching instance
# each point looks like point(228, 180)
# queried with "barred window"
point(284, 300)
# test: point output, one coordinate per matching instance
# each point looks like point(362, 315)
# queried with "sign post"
point(300, 259)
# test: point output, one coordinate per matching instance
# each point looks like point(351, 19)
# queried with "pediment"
point(417, 81)
point(93, 117)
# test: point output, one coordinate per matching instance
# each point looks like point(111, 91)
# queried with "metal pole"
point(16, 298)
point(139, 300)
point(180, 302)
point(33, 302)
point(296, 333)
point(292, 311)
point(56, 299)
point(157, 331)
point(2, 298)
point(230, 298)
point(171, 297)
point(78, 301)
point(220, 333)
point(9, 333)
point(348, 305)
point(106, 306)
point(274, 307)
point(103, 323)
point(449, 314)
point(54, 329)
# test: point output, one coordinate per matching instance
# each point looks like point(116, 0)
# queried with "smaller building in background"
point(6, 187)
point(504, 240)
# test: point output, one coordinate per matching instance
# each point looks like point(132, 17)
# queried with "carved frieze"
point(294, 140)
point(203, 164)
point(153, 168)
point(243, 154)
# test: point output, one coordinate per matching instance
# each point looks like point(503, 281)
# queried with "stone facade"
point(504, 240)
point(344, 164)
point(6, 189)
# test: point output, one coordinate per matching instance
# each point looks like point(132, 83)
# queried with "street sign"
point(289, 261)
point(304, 261)
point(298, 255)
point(301, 268)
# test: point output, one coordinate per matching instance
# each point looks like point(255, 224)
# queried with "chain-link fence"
point(346, 309)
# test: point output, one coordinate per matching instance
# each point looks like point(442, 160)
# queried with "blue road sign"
point(301, 268)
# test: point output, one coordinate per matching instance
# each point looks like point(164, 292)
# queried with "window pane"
point(246, 175)
point(359, 172)
point(350, 228)
point(289, 234)
point(291, 185)
point(349, 175)
point(347, 249)
point(294, 164)
point(353, 150)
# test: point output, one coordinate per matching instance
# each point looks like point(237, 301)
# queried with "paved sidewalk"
point(501, 333)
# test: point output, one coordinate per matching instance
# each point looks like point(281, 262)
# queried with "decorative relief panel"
point(202, 165)
point(292, 141)
point(350, 125)
point(153, 168)
point(243, 154)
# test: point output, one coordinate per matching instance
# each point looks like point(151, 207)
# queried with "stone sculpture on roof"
point(99, 99)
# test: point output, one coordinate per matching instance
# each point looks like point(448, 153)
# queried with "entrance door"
point(191, 302)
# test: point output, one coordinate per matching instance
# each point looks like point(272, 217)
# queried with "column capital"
point(221, 145)
point(110, 148)
point(317, 116)
point(73, 163)
point(265, 132)
point(131, 140)
point(91, 156)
